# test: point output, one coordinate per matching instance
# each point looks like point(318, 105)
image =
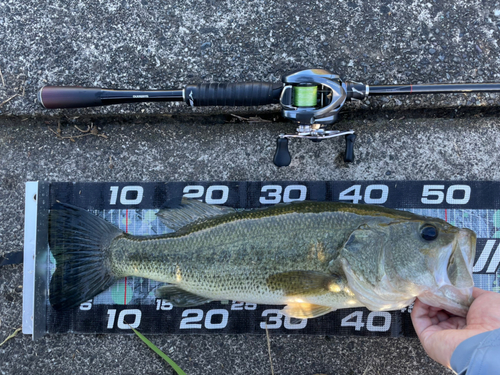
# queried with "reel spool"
point(312, 98)
point(305, 96)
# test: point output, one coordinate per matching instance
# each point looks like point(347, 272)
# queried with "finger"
point(456, 322)
point(476, 292)
point(437, 314)
point(434, 308)
point(442, 316)
point(420, 317)
point(434, 311)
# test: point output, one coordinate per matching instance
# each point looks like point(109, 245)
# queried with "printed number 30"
point(273, 193)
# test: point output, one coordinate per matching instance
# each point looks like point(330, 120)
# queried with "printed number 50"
point(434, 194)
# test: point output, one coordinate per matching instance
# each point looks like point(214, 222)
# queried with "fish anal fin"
point(304, 310)
point(179, 297)
point(303, 283)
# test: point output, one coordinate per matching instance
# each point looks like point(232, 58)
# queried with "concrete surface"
point(154, 44)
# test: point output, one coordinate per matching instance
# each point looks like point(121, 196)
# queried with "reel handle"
point(282, 156)
point(349, 148)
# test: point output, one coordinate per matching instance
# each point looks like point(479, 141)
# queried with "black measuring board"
point(133, 206)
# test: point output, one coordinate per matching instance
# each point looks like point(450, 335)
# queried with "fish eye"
point(428, 232)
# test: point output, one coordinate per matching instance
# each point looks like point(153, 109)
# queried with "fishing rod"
point(311, 98)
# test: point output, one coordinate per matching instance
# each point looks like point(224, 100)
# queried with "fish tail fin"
point(79, 242)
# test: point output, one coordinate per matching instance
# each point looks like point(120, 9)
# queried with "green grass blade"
point(153, 347)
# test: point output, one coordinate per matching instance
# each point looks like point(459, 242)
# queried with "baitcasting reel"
point(313, 98)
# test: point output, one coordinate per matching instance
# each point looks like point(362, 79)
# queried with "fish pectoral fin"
point(189, 211)
point(300, 283)
point(179, 297)
point(304, 310)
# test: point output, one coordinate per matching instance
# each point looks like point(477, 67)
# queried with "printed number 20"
point(197, 192)
point(191, 319)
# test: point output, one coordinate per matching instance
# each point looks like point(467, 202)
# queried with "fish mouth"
point(454, 279)
point(467, 245)
point(455, 301)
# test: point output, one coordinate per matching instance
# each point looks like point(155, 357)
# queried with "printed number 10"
point(121, 323)
point(130, 195)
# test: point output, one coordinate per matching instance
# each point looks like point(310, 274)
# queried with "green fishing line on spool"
point(305, 96)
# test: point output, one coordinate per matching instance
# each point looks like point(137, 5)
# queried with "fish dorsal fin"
point(305, 310)
point(294, 283)
point(179, 297)
point(189, 211)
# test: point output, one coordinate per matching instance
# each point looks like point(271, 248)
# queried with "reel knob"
point(282, 156)
point(349, 148)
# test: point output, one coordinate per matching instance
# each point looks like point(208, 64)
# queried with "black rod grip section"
point(233, 94)
point(69, 97)
point(282, 156)
point(349, 148)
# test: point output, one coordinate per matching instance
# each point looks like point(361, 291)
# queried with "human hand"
point(441, 332)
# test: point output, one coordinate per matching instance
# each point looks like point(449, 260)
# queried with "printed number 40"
point(353, 194)
point(355, 320)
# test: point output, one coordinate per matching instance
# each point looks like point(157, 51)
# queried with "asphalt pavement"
point(151, 45)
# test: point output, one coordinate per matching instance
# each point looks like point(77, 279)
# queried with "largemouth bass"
point(313, 257)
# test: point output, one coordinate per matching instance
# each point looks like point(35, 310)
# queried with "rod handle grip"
point(233, 94)
point(349, 148)
point(69, 97)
